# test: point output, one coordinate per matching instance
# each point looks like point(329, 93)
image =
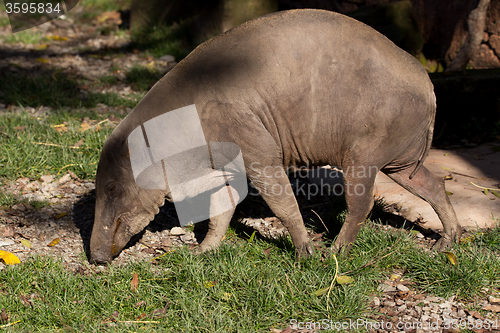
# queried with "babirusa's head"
point(123, 209)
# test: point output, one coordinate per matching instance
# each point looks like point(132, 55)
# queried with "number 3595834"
point(32, 8)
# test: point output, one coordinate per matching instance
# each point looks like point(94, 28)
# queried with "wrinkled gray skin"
point(295, 87)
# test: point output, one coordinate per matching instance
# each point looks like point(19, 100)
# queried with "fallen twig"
point(55, 145)
point(461, 174)
point(290, 284)
point(331, 284)
point(321, 220)
point(485, 188)
point(374, 261)
point(10, 324)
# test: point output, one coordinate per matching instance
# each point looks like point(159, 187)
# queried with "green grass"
point(143, 78)
point(25, 37)
point(31, 147)
point(4, 21)
point(237, 288)
point(8, 200)
point(93, 8)
point(165, 40)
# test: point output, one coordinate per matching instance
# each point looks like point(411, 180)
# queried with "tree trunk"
point(476, 24)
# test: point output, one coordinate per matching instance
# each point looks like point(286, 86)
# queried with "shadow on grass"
point(52, 88)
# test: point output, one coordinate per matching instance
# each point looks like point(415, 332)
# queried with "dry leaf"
point(209, 284)
point(78, 144)
point(25, 301)
point(344, 279)
point(4, 317)
point(394, 277)
point(54, 242)
point(41, 47)
point(108, 15)
point(58, 38)
point(226, 296)
point(26, 243)
point(151, 66)
point(84, 126)
point(134, 283)
point(451, 257)
point(322, 291)
point(141, 316)
point(252, 237)
point(9, 258)
point(20, 128)
point(159, 312)
point(449, 193)
point(60, 215)
point(267, 251)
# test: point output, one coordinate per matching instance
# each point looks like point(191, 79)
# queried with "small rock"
point(386, 288)
point(6, 242)
point(186, 237)
point(493, 308)
point(176, 231)
point(433, 299)
point(64, 179)
point(47, 178)
point(392, 313)
point(24, 180)
point(445, 305)
point(494, 300)
point(167, 58)
point(403, 288)
point(389, 303)
point(19, 206)
point(166, 242)
point(376, 301)
point(7, 232)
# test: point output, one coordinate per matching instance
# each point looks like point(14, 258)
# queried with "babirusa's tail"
point(430, 133)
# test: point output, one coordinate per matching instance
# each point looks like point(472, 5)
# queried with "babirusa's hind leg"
point(426, 186)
